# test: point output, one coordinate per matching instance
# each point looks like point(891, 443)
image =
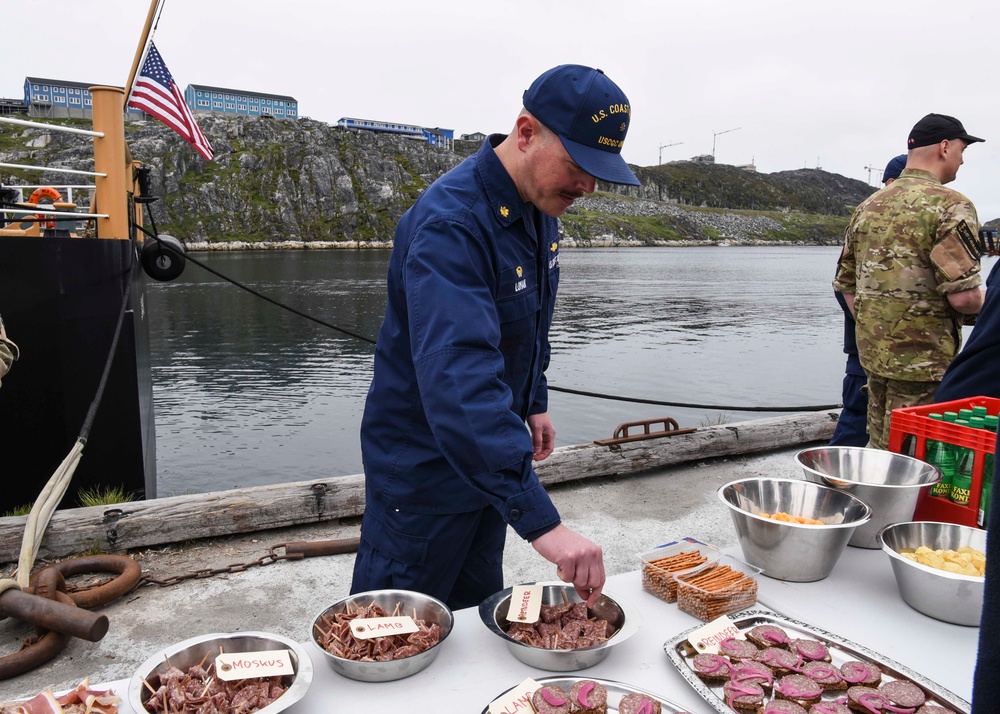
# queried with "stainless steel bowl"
point(203, 649)
point(951, 597)
point(621, 615)
point(427, 608)
point(890, 483)
point(790, 551)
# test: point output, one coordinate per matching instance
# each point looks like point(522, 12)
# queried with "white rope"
point(42, 510)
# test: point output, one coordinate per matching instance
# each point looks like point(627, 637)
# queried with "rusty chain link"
point(271, 557)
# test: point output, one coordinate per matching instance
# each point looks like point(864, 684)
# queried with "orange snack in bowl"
point(782, 516)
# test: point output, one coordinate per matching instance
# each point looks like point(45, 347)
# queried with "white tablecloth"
point(858, 602)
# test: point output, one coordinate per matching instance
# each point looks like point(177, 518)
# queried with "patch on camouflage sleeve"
point(969, 239)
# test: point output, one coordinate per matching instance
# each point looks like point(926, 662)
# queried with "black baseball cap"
point(589, 114)
point(935, 128)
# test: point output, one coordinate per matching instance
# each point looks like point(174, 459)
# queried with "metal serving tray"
point(616, 690)
point(681, 653)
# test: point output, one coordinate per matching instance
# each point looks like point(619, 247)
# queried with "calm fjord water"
point(249, 394)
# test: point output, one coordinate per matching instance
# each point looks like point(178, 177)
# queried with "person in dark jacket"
point(852, 427)
point(458, 405)
point(975, 371)
point(986, 679)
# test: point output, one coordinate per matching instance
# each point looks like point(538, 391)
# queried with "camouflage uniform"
point(906, 248)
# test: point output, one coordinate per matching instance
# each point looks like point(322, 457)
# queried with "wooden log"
point(175, 519)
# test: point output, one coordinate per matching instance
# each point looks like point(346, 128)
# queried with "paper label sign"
point(244, 665)
point(707, 638)
point(525, 603)
point(517, 700)
point(365, 628)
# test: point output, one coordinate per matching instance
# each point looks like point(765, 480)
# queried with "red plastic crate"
point(914, 421)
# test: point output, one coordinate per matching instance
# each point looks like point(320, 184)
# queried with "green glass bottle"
point(961, 483)
point(979, 411)
point(983, 516)
point(965, 414)
point(940, 454)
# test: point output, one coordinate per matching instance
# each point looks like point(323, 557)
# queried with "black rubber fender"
point(163, 257)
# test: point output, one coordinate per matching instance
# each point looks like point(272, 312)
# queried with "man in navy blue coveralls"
point(458, 405)
point(852, 426)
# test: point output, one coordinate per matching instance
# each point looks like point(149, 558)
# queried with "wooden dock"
point(176, 519)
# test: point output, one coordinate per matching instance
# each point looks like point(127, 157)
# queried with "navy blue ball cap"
point(894, 168)
point(589, 114)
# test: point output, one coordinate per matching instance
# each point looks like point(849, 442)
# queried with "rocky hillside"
point(276, 180)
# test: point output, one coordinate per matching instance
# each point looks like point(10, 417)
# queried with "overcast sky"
point(781, 84)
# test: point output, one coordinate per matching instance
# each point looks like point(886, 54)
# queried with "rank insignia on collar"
point(518, 271)
point(554, 247)
point(504, 211)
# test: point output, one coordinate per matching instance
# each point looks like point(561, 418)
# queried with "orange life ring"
point(45, 192)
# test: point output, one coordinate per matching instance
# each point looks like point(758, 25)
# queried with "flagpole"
point(140, 50)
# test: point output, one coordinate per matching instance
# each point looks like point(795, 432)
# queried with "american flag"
point(156, 93)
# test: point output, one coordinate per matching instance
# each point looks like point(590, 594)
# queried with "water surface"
point(249, 394)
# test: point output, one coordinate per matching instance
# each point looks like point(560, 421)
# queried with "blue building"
point(60, 98)
point(443, 138)
point(12, 106)
point(240, 102)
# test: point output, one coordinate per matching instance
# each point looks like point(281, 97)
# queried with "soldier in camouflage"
point(910, 273)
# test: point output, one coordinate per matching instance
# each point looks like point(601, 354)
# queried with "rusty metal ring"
point(127, 569)
point(48, 646)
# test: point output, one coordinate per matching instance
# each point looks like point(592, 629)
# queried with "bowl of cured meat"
point(568, 636)
point(889, 483)
point(792, 529)
point(382, 635)
point(219, 672)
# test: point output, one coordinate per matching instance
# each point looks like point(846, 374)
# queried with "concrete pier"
point(625, 515)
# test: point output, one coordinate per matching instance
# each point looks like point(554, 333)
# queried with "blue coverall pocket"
point(392, 543)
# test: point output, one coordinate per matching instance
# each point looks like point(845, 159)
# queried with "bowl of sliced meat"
point(566, 635)
point(382, 635)
point(243, 671)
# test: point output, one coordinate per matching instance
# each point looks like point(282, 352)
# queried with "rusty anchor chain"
point(59, 615)
point(127, 570)
point(61, 611)
point(293, 551)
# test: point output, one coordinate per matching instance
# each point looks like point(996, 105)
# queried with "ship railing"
point(42, 210)
point(25, 189)
point(115, 174)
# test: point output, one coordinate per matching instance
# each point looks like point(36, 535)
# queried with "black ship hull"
point(60, 299)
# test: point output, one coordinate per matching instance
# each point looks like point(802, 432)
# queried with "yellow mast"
point(111, 154)
point(111, 189)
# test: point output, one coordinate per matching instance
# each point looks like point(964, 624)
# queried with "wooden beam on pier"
point(175, 519)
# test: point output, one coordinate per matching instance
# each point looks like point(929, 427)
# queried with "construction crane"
point(715, 134)
point(871, 168)
point(664, 146)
